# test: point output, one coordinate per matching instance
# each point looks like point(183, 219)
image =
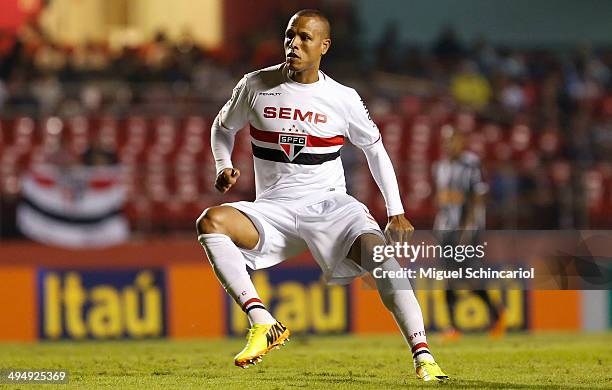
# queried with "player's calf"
point(220, 239)
point(399, 298)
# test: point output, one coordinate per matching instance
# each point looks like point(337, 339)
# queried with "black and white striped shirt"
point(457, 182)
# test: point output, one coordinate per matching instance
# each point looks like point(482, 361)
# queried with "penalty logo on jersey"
point(292, 144)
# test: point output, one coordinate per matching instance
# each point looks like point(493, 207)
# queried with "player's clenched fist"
point(398, 229)
point(226, 179)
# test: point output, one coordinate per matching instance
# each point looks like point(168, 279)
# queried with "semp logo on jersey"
point(292, 144)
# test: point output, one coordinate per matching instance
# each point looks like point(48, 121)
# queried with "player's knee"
point(368, 243)
point(211, 221)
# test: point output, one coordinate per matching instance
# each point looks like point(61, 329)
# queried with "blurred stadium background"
point(105, 163)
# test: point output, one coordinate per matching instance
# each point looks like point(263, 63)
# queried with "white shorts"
point(326, 224)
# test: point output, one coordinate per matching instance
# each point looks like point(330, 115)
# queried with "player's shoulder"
point(345, 96)
point(339, 88)
point(274, 71)
point(264, 79)
point(470, 159)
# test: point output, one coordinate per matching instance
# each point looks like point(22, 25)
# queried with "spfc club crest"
point(292, 144)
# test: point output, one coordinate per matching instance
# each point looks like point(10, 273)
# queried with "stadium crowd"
point(540, 118)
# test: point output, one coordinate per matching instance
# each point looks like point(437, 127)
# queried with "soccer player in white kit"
point(299, 119)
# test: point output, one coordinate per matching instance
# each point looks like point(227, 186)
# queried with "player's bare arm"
point(475, 201)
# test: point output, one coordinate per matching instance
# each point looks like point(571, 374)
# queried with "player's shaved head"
point(315, 13)
point(306, 41)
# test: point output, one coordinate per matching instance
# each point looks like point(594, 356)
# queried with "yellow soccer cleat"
point(430, 371)
point(260, 340)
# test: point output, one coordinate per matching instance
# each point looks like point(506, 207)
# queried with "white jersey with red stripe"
point(297, 130)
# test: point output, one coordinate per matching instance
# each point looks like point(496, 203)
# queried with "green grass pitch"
point(518, 361)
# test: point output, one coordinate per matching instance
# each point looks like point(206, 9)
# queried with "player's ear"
point(325, 45)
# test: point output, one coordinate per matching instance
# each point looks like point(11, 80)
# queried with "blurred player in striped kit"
point(460, 220)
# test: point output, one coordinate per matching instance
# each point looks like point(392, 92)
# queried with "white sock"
point(398, 297)
point(230, 267)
